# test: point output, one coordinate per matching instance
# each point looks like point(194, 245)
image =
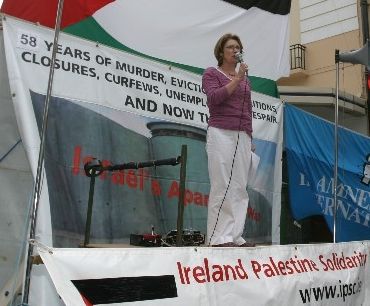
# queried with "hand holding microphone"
point(243, 67)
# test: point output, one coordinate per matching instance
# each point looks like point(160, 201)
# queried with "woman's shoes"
point(234, 245)
point(248, 245)
point(226, 244)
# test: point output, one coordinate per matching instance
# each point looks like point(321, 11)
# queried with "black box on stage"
point(146, 240)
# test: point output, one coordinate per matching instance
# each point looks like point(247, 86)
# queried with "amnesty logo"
point(366, 172)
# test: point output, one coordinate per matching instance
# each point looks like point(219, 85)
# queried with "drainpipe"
point(365, 32)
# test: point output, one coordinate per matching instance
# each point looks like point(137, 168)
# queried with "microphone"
point(239, 57)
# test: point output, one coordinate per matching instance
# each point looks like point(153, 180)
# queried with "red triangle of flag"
point(45, 11)
point(86, 301)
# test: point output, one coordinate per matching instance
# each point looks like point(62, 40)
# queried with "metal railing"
point(297, 56)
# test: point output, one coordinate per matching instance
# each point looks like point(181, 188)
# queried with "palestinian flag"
point(180, 33)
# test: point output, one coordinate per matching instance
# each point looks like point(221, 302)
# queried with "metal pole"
point(180, 213)
point(366, 37)
point(38, 181)
point(365, 20)
point(336, 148)
point(89, 208)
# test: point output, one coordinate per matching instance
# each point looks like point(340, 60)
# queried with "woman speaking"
point(228, 143)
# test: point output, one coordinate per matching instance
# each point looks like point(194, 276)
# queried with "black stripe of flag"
point(127, 289)
point(281, 7)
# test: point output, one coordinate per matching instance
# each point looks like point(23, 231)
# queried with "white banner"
point(88, 72)
point(324, 274)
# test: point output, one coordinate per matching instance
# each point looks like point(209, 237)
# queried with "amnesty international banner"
point(118, 107)
point(325, 274)
point(309, 143)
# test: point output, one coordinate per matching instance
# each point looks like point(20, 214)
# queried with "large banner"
point(310, 148)
point(326, 274)
point(118, 107)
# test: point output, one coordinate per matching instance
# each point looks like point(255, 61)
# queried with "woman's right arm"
point(231, 86)
point(217, 94)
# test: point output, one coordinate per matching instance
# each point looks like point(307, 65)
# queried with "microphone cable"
point(233, 161)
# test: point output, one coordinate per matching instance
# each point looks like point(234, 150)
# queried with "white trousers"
point(225, 222)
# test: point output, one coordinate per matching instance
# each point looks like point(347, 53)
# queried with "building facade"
point(318, 28)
